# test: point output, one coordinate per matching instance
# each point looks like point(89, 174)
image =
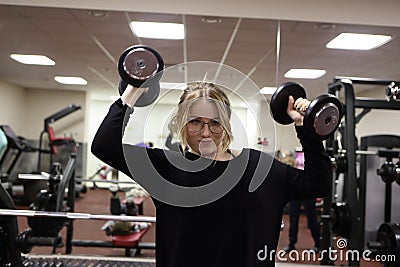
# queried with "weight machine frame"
point(354, 198)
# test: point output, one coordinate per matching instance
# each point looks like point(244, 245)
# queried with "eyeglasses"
point(196, 125)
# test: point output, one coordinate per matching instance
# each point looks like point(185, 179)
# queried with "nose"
point(205, 131)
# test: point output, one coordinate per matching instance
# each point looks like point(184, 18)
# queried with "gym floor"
point(97, 202)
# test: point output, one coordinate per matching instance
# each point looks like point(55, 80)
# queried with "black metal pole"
point(351, 182)
point(326, 233)
point(388, 201)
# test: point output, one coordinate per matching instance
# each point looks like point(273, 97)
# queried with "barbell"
point(321, 118)
point(380, 153)
point(76, 216)
point(141, 66)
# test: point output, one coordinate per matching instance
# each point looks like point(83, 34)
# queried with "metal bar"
point(70, 201)
point(108, 244)
point(351, 183)
point(358, 80)
point(76, 216)
point(334, 87)
point(362, 102)
point(105, 181)
point(361, 115)
point(326, 233)
point(60, 114)
point(381, 153)
point(125, 260)
point(388, 202)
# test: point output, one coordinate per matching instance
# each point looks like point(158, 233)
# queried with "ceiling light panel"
point(158, 30)
point(305, 73)
point(357, 41)
point(268, 90)
point(33, 59)
point(70, 80)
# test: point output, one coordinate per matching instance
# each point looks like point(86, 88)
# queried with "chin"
point(207, 150)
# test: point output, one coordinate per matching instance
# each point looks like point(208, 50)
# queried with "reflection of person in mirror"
point(239, 223)
point(295, 211)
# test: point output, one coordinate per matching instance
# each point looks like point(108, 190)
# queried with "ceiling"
point(89, 43)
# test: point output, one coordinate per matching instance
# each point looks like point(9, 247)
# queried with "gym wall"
point(40, 104)
point(12, 106)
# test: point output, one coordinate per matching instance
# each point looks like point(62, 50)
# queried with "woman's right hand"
point(132, 94)
point(296, 109)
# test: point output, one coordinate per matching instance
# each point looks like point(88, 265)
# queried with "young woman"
point(240, 227)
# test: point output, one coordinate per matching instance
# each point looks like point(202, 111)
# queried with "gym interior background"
point(86, 39)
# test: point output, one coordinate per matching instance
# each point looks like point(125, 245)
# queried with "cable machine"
point(349, 216)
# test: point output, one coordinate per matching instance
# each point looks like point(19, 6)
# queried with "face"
point(205, 142)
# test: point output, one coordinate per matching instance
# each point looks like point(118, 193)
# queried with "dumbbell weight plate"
point(340, 219)
point(280, 99)
point(141, 66)
point(398, 173)
point(389, 236)
point(138, 64)
point(323, 116)
point(387, 172)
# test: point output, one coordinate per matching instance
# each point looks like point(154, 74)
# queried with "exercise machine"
point(347, 218)
point(16, 146)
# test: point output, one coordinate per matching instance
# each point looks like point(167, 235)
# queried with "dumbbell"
point(141, 66)
point(321, 118)
point(389, 172)
point(393, 92)
point(387, 243)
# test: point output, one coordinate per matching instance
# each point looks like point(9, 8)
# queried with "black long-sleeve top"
point(241, 228)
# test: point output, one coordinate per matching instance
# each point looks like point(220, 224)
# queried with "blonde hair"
point(210, 92)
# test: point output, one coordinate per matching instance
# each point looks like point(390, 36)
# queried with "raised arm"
point(315, 179)
point(107, 143)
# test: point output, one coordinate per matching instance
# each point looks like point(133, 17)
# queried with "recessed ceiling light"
point(268, 90)
point(325, 26)
point(33, 59)
point(98, 14)
point(211, 20)
point(70, 80)
point(357, 41)
point(305, 73)
point(158, 30)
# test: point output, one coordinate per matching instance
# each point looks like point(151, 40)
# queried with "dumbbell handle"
point(132, 94)
point(302, 110)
